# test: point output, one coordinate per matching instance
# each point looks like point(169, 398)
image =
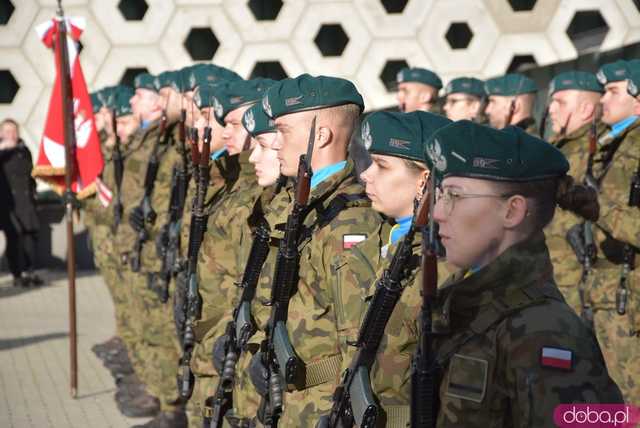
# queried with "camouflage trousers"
point(109, 264)
point(618, 335)
point(155, 350)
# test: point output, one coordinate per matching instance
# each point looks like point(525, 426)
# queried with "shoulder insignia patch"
point(350, 240)
point(556, 358)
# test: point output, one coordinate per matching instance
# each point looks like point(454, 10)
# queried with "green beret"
point(121, 103)
point(256, 121)
point(419, 75)
point(612, 72)
point(633, 83)
point(202, 74)
point(96, 104)
point(106, 96)
point(400, 134)
point(307, 92)
point(510, 85)
point(465, 85)
point(170, 79)
point(580, 80)
point(145, 81)
point(467, 149)
point(239, 93)
point(205, 95)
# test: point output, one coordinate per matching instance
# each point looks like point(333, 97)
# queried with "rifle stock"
point(424, 377)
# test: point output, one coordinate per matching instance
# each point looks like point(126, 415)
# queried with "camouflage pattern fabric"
point(618, 334)
point(498, 378)
point(567, 270)
point(311, 323)
point(529, 126)
point(219, 270)
point(357, 273)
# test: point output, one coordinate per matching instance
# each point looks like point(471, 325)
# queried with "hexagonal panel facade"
point(201, 43)
point(6, 10)
point(331, 40)
point(265, 10)
point(8, 87)
point(133, 10)
point(587, 30)
point(363, 40)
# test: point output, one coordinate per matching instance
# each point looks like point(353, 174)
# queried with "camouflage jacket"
point(137, 156)
point(357, 272)
point(219, 265)
point(614, 166)
point(529, 126)
point(567, 270)
point(510, 349)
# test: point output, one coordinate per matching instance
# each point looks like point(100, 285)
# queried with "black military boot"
point(174, 419)
point(133, 400)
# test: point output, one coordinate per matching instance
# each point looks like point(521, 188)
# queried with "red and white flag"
point(50, 165)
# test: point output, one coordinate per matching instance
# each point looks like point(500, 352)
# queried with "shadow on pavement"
point(6, 344)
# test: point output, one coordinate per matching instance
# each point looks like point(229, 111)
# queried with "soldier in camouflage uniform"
point(146, 105)
point(509, 348)
point(102, 232)
point(395, 179)
point(218, 266)
point(464, 98)
point(417, 89)
point(616, 317)
point(511, 102)
point(573, 108)
point(293, 103)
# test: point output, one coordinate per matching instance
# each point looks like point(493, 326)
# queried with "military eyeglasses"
point(448, 197)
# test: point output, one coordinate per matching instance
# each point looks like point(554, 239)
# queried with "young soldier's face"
point(562, 107)
point(9, 132)
point(144, 103)
point(126, 125)
point(498, 110)
point(171, 100)
point(617, 104)
point(461, 106)
point(414, 96)
point(471, 229)
point(265, 159)
point(391, 185)
point(292, 138)
point(235, 136)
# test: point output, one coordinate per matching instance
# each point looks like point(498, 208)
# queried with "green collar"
point(502, 276)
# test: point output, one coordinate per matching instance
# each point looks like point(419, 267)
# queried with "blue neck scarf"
point(619, 127)
point(402, 226)
point(218, 153)
point(326, 172)
point(144, 124)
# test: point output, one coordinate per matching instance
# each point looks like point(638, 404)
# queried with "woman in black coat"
point(18, 216)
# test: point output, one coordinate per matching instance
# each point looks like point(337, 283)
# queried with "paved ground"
point(34, 356)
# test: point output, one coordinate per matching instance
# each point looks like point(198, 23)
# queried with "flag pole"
point(69, 197)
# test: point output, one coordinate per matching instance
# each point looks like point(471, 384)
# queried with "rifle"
point(241, 328)
point(353, 399)
point(148, 213)
point(278, 355)
point(169, 244)
point(118, 168)
point(590, 249)
point(424, 376)
point(196, 233)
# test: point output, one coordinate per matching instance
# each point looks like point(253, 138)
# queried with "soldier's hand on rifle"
point(136, 219)
point(259, 374)
point(219, 352)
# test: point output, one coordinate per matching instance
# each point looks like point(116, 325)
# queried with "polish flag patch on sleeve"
point(105, 195)
point(349, 241)
point(556, 358)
